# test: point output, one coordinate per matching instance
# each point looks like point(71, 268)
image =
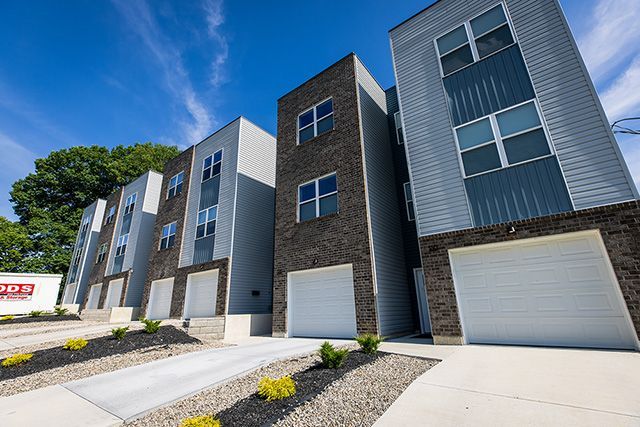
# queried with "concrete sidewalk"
point(111, 398)
point(525, 386)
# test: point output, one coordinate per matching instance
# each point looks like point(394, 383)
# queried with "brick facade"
point(164, 263)
point(98, 271)
point(341, 238)
point(180, 285)
point(619, 226)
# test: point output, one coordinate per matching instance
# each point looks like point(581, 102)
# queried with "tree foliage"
point(49, 201)
point(15, 245)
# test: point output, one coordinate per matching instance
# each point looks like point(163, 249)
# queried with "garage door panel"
point(201, 294)
point(160, 299)
point(551, 291)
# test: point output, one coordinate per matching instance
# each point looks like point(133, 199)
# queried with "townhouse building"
point(212, 245)
point(83, 253)
point(119, 267)
point(339, 266)
point(526, 212)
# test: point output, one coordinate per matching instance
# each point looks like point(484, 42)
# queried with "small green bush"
point(36, 313)
point(151, 326)
point(16, 359)
point(8, 317)
point(75, 344)
point(119, 333)
point(272, 389)
point(201, 421)
point(332, 357)
point(60, 311)
point(369, 343)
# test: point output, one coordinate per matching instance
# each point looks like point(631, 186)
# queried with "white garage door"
point(200, 298)
point(160, 299)
point(94, 296)
point(69, 294)
point(557, 291)
point(114, 292)
point(322, 303)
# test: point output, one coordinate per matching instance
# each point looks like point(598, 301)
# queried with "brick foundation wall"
point(180, 285)
point(164, 263)
point(618, 224)
point(341, 238)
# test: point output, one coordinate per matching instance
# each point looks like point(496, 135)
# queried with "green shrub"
point(60, 311)
point(201, 421)
point(272, 389)
point(36, 313)
point(369, 343)
point(151, 326)
point(8, 317)
point(332, 357)
point(119, 333)
point(16, 359)
point(75, 344)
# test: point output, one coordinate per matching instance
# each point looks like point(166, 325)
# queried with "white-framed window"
point(399, 132)
point(506, 138)
point(212, 165)
point(175, 185)
point(315, 121)
point(102, 253)
point(130, 203)
point(76, 256)
point(206, 225)
point(85, 223)
point(168, 237)
point(318, 198)
point(489, 32)
point(121, 247)
point(408, 199)
point(111, 215)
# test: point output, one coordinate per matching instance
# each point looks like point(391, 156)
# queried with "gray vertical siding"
point(393, 298)
point(252, 253)
point(590, 158)
point(498, 82)
point(227, 139)
point(524, 191)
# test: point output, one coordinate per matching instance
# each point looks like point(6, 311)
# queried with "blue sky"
point(120, 72)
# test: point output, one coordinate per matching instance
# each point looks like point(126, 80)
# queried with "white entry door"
point(114, 293)
point(558, 290)
point(322, 303)
point(160, 299)
point(423, 303)
point(200, 297)
point(94, 296)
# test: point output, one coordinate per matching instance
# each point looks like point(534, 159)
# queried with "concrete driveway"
point(524, 386)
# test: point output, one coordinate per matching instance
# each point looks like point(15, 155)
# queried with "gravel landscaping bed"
point(54, 365)
point(355, 395)
point(30, 322)
point(37, 329)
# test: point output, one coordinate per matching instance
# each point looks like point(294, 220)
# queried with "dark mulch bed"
point(96, 348)
point(255, 411)
point(43, 318)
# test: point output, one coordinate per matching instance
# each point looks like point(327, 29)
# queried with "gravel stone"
point(355, 395)
point(43, 321)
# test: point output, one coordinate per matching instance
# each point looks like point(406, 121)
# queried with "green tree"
point(49, 201)
point(15, 246)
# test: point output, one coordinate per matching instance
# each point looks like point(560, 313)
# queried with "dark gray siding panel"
point(524, 191)
point(203, 249)
point(117, 264)
point(126, 224)
point(485, 87)
point(209, 192)
point(252, 259)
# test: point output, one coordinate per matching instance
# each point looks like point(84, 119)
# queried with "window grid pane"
point(475, 134)
point(488, 21)
point(452, 40)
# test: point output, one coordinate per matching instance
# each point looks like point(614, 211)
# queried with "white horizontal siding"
point(257, 153)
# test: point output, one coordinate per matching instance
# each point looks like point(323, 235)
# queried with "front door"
point(423, 305)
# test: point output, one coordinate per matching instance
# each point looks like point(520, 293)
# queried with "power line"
point(616, 128)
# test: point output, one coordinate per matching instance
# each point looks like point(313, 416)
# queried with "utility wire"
point(616, 128)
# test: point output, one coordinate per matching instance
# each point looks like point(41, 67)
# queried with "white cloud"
point(215, 19)
point(143, 23)
point(622, 97)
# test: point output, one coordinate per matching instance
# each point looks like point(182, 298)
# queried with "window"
point(121, 247)
point(175, 185)
point(168, 238)
point(315, 121)
point(408, 197)
point(490, 33)
point(206, 225)
point(502, 139)
point(399, 132)
point(102, 253)
point(76, 256)
point(110, 216)
point(212, 165)
point(318, 198)
point(85, 224)
point(130, 204)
